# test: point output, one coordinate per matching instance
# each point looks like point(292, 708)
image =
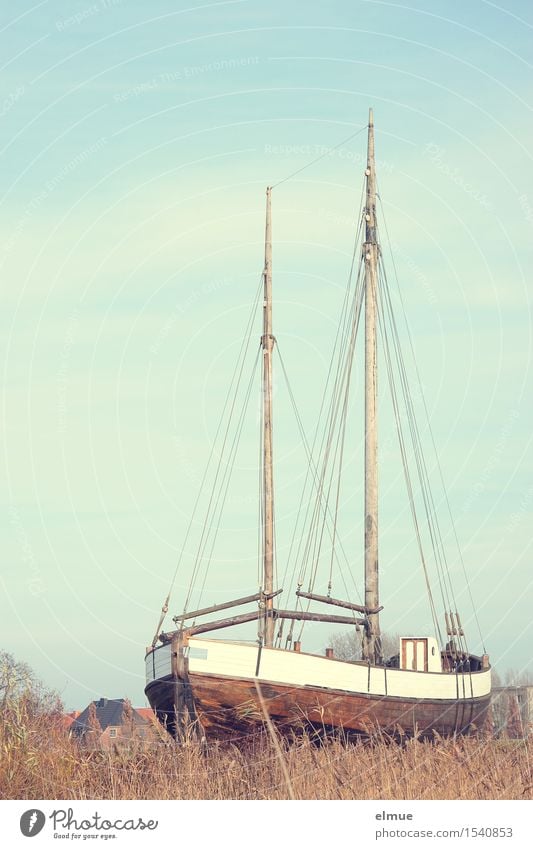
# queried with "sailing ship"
point(227, 688)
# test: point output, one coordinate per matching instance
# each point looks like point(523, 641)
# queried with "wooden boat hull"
point(231, 708)
point(227, 707)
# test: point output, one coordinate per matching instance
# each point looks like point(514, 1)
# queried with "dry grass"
point(39, 761)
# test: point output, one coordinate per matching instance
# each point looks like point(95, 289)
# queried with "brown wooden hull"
point(230, 708)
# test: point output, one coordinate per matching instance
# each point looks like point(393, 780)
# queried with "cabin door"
point(415, 654)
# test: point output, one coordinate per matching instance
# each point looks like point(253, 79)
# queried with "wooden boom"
point(304, 615)
point(235, 603)
point(300, 615)
point(326, 599)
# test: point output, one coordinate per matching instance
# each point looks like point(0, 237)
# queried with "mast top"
point(370, 163)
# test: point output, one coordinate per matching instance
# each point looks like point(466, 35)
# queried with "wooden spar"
point(371, 638)
point(300, 615)
point(276, 614)
point(303, 615)
point(268, 483)
point(235, 603)
point(326, 599)
point(222, 623)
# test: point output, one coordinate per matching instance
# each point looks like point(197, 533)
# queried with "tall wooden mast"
point(268, 486)
point(371, 638)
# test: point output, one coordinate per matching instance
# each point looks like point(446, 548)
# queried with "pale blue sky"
point(136, 143)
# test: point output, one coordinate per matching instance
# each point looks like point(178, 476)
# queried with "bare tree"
point(347, 646)
point(518, 678)
point(15, 678)
point(18, 682)
point(496, 678)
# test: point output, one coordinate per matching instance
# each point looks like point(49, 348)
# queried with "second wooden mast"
point(372, 638)
point(267, 341)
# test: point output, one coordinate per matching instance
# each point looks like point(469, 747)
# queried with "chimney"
point(329, 652)
point(297, 646)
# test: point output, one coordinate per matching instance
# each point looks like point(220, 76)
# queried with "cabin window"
point(196, 653)
point(112, 732)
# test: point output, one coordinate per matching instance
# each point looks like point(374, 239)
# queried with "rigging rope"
point(403, 452)
point(335, 356)
point(340, 414)
point(430, 429)
point(226, 480)
point(260, 534)
point(313, 546)
point(350, 319)
point(331, 450)
point(387, 313)
point(333, 533)
point(242, 359)
point(318, 158)
point(241, 356)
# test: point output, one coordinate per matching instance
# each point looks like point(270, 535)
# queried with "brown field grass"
point(39, 761)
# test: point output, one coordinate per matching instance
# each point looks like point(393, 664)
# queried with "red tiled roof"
point(68, 718)
point(146, 713)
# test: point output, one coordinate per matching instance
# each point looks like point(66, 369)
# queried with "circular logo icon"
point(32, 822)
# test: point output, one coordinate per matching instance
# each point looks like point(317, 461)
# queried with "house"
point(109, 722)
point(512, 710)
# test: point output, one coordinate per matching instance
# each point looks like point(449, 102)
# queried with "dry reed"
point(38, 760)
